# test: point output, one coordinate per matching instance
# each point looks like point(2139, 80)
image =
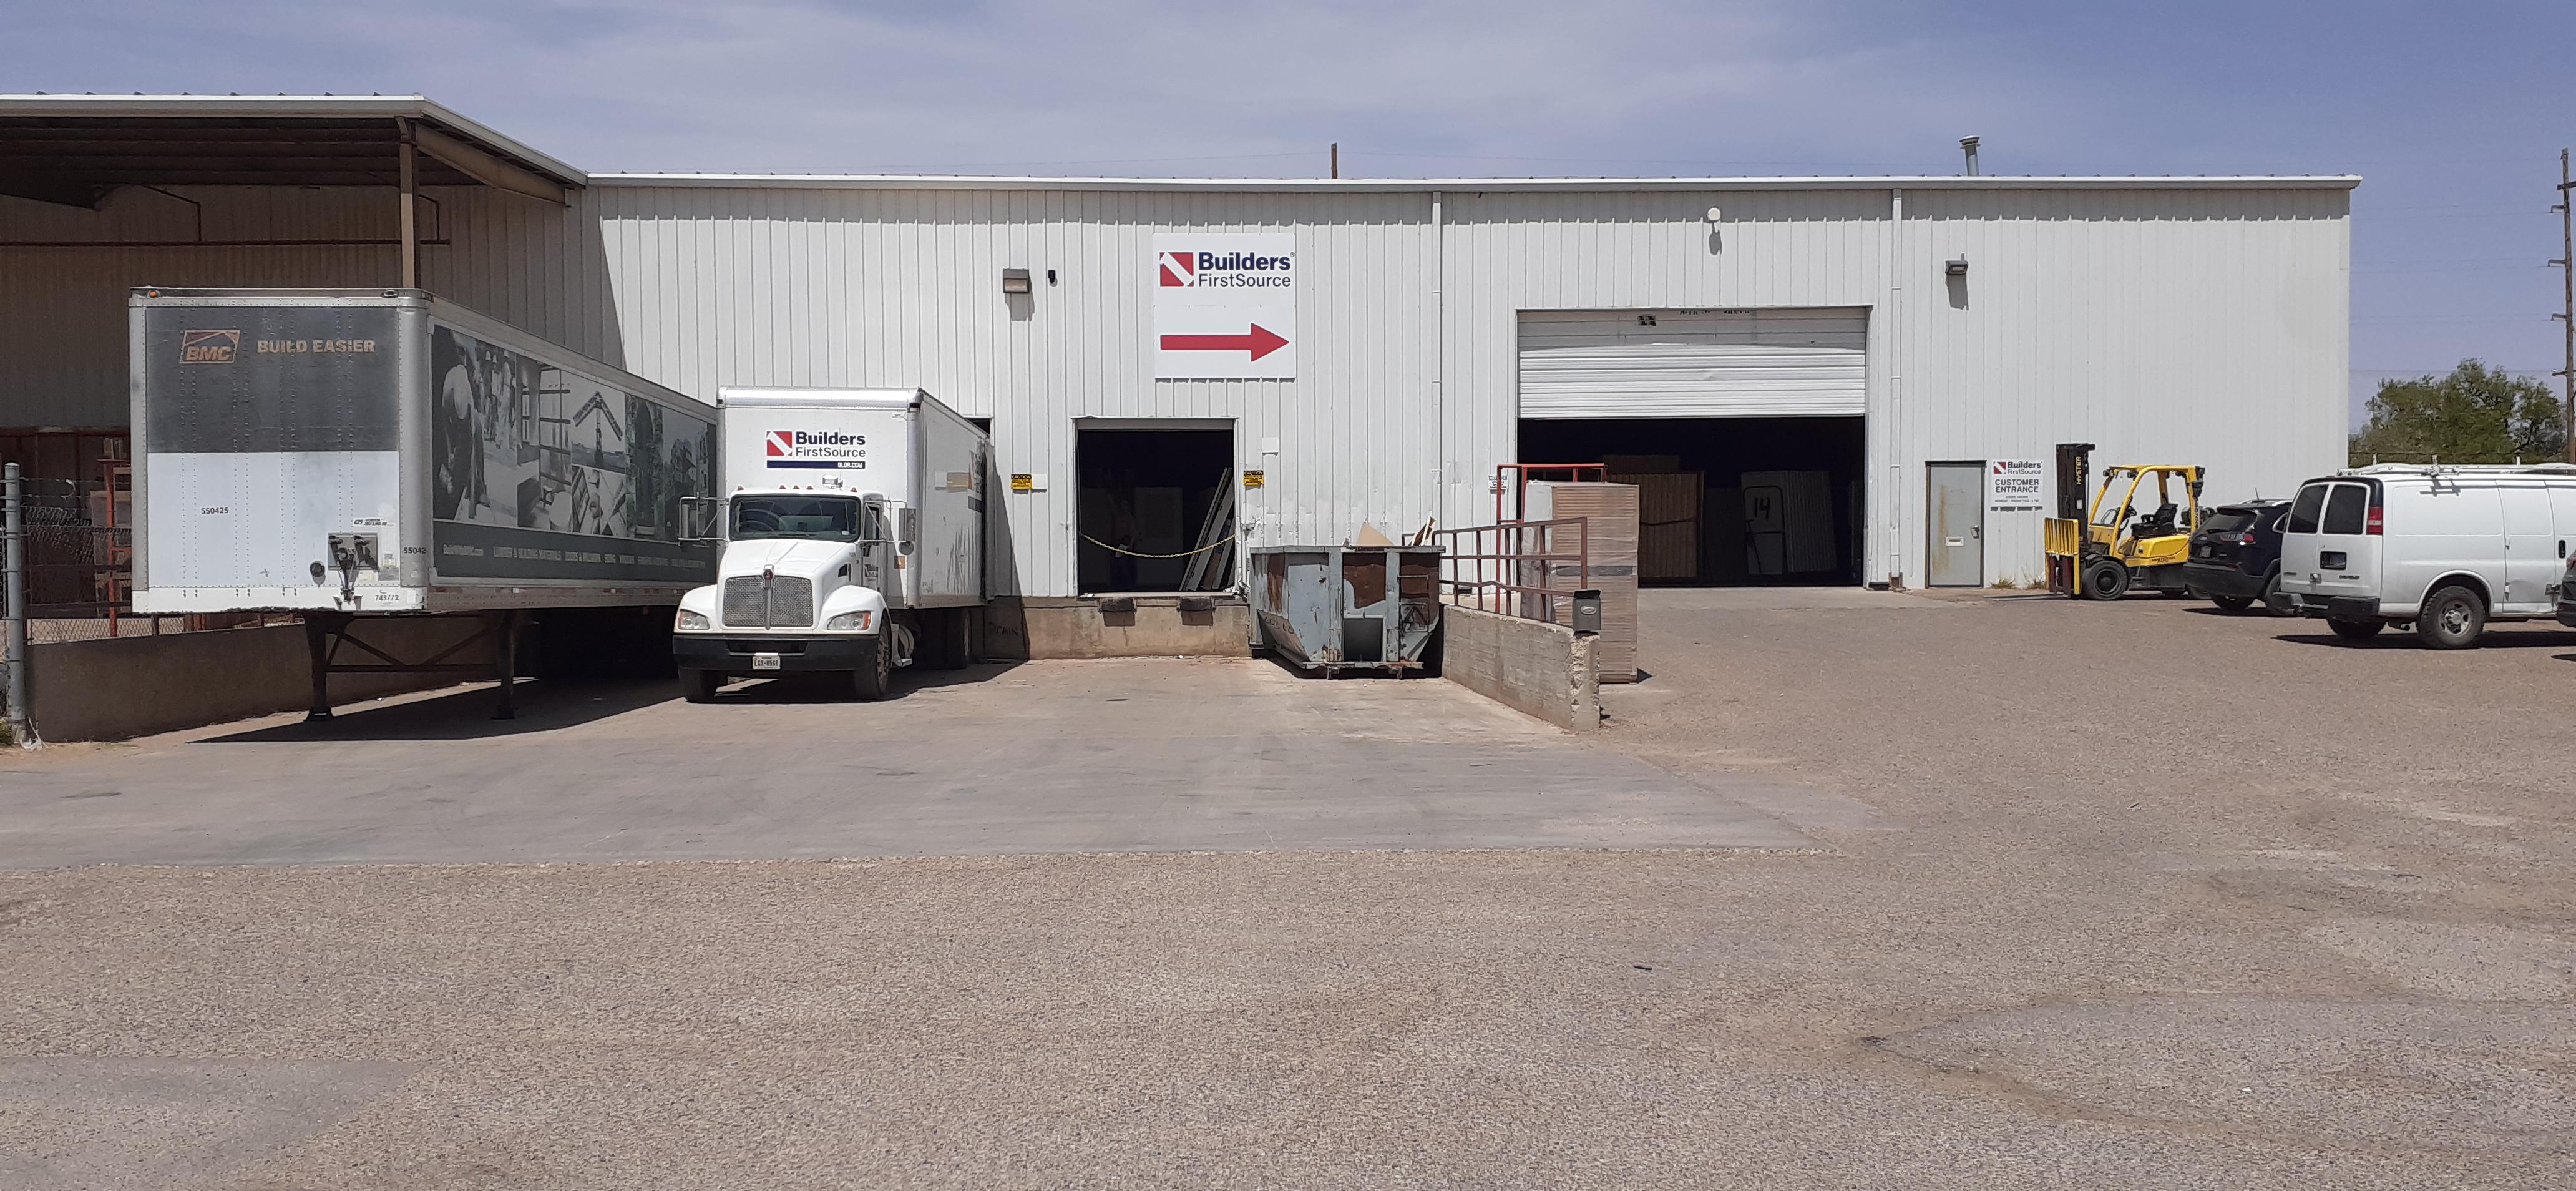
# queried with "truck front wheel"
point(868, 683)
point(699, 686)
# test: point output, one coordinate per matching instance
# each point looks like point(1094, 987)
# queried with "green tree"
point(2476, 414)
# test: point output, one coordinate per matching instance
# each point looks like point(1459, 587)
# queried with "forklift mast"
point(2074, 481)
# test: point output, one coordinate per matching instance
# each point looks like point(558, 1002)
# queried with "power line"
point(2450, 260)
point(1700, 162)
point(2494, 320)
point(2458, 208)
point(2445, 268)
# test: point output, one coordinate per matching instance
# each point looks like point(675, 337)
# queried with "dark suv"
point(2567, 594)
point(2236, 556)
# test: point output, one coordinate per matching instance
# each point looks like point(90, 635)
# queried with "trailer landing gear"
point(326, 632)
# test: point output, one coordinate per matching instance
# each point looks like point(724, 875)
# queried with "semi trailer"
point(852, 524)
point(351, 455)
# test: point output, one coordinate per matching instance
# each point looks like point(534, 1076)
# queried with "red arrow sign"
point(1260, 341)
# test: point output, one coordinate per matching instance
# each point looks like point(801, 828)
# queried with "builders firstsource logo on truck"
point(816, 448)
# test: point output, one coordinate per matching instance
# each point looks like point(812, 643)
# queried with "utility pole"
point(1337, 159)
point(2566, 263)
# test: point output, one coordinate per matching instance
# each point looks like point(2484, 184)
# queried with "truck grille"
point(780, 602)
point(791, 603)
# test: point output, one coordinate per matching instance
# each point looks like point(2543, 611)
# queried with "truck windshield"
point(828, 518)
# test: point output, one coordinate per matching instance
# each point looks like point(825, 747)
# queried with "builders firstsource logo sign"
point(1191, 269)
point(828, 449)
point(1225, 305)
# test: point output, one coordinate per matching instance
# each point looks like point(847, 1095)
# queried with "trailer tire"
point(868, 683)
point(948, 644)
point(2452, 618)
point(929, 638)
point(2356, 630)
point(699, 686)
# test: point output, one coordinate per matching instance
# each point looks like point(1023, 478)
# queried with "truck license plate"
point(764, 661)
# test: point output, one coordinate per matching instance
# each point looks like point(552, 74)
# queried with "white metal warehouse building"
point(1875, 328)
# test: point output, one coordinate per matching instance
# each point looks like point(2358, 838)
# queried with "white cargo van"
point(2447, 549)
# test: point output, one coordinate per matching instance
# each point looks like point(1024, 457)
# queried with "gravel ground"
point(2102, 897)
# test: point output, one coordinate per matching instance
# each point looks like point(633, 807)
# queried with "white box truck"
point(356, 454)
point(853, 531)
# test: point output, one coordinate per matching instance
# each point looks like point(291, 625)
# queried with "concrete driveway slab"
point(1124, 756)
point(2179, 900)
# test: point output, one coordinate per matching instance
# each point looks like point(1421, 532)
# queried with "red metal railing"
point(1517, 568)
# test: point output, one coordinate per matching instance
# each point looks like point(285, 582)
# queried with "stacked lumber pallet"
point(1668, 513)
point(1610, 511)
point(1668, 523)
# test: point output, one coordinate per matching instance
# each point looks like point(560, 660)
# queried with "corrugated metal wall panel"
point(62, 309)
point(2203, 327)
point(2208, 326)
point(1690, 364)
point(869, 288)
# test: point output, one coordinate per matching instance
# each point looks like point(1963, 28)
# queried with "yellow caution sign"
point(1023, 482)
point(1252, 479)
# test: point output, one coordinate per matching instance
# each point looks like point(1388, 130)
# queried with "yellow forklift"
point(2099, 550)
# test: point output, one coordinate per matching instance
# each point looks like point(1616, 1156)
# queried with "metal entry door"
point(1955, 514)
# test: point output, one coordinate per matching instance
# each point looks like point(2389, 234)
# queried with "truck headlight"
point(848, 622)
point(691, 622)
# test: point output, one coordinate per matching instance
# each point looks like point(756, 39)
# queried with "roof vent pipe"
point(1968, 145)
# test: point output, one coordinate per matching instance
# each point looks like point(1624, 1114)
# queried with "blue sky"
point(2449, 111)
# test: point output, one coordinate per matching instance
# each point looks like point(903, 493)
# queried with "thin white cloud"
point(785, 85)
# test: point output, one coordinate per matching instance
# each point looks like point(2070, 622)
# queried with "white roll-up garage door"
point(1693, 364)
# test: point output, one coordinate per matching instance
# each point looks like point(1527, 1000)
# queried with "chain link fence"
point(80, 567)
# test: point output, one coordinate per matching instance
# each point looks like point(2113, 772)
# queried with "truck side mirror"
point(698, 517)
point(910, 521)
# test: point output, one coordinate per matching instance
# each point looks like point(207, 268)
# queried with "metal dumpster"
point(1337, 608)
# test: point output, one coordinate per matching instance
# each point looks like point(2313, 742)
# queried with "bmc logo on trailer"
point(1179, 268)
point(814, 448)
point(208, 347)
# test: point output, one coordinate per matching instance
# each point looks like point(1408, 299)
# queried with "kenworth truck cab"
point(852, 523)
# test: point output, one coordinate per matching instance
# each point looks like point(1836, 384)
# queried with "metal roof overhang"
point(1495, 185)
point(75, 149)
